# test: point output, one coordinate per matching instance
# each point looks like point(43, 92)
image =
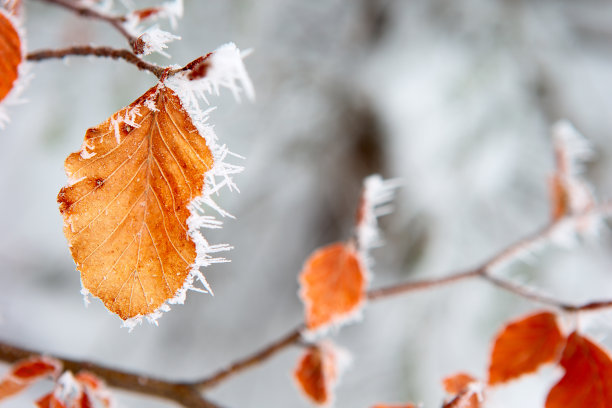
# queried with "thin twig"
point(182, 393)
point(116, 21)
point(87, 50)
point(291, 338)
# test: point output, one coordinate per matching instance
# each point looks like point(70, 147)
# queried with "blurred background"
point(453, 97)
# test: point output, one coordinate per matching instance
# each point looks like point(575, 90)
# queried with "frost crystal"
point(155, 40)
point(375, 199)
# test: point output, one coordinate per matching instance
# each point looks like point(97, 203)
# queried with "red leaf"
point(588, 376)
point(333, 283)
point(454, 384)
point(95, 387)
point(25, 372)
point(466, 391)
point(49, 401)
point(524, 345)
point(316, 373)
point(10, 54)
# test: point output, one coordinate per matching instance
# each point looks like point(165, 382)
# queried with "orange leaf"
point(456, 383)
point(332, 284)
point(394, 406)
point(524, 345)
point(10, 54)
point(126, 207)
point(49, 401)
point(466, 391)
point(25, 372)
point(588, 376)
point(317, 372)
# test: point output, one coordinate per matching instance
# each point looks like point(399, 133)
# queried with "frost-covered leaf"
point(524, 345)
point(10, 53)
point(332, 285)
point(318, 370)
point(465, 390)
point(154, 40)
point(129, 200)
point(26, 372)
point(133, 204)
point(588, 376)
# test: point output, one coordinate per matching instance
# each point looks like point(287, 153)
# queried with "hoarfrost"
point(155, 40)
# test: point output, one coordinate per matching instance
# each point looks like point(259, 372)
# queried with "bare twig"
point(107, 52)
point(116, 21)
point(183, 393)
point(261, 355)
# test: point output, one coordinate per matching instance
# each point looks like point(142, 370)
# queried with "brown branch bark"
point(115, 21)
point(183, 393)
point(87, 50)
point(291, 338)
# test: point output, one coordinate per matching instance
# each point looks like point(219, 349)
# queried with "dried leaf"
point(394, 406)
point(128, 202)
point(588, 376)
point(26, 372)
point(10, 54)
point(524, 345)
point(333, 282)
point(317, 372)
point(466, 391)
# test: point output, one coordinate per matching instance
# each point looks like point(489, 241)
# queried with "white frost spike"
point(572, 150)
point(376, 196)
point(155, 40)
point(225, 69)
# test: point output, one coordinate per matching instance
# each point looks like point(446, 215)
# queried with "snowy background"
point(454, 97)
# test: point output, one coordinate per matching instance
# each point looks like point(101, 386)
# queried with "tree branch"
point(107, 52)
point(182, 393)
point(116, 21)
point(263, 354)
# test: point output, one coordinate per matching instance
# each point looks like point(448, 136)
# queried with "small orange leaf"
point(394, 406)
point(49, 401)
point(26, 372)
point(524, 345)
point(10, 54)
point(588, 376)
point(456, 383)
point(317, 372)
point(126, 207)
point(333, 284)
point(466, 391)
